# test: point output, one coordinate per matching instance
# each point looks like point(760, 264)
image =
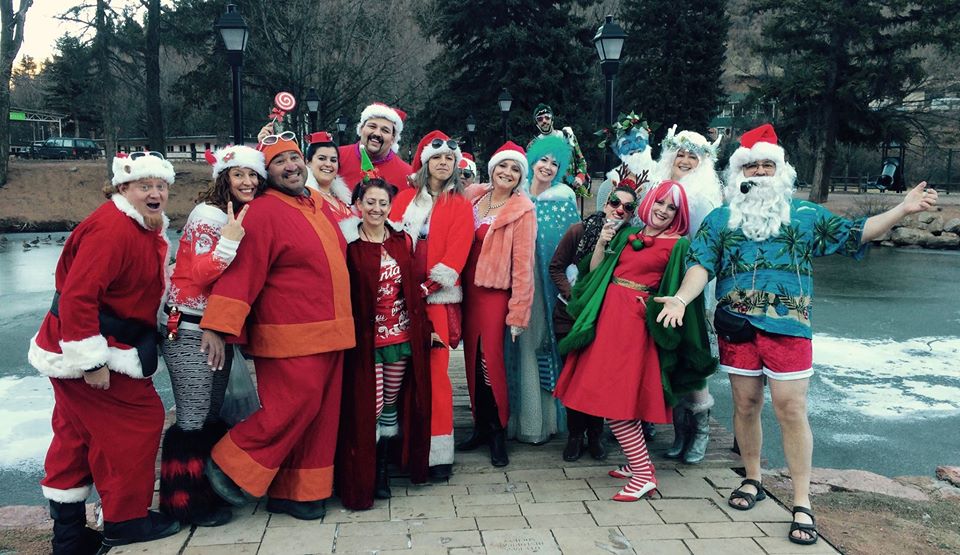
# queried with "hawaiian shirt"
point(770, 282)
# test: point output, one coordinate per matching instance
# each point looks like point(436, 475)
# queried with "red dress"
point(484, 328)
point(617, 375)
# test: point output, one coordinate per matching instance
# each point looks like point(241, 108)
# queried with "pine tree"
point(847, 67)
point(536, 49)
point(673, 61)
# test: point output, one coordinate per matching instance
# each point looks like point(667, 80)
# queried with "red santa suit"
point(392, 169)
point(112, 266)
point(442, 230)
point(287, 297)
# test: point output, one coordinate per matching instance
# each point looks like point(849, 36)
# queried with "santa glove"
point(429, 287)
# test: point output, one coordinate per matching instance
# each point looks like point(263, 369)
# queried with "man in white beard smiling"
point(760, 247)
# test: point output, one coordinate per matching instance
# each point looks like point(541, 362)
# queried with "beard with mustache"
point(761, 211)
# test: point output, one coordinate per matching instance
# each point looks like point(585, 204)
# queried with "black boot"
point(70, 533)
point(595, 445)
point(300, 510)
point(381, 489)
point(574, 447)
point(476, 439)
point(145, 529)
point(479, 436)
point(185, 492)
point(496, 435)
point(680, 433)
point(498, 447)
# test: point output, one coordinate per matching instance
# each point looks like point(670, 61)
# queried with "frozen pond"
point(885, 398)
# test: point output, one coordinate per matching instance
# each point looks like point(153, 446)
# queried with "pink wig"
point(667, 188)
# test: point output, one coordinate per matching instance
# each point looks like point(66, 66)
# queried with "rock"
point(909, 236)
point(25, 516)
point(861, 480)
point(942, 241)
point(949, 474)
point(926, 217)
point(935, 225)
point(952, 226)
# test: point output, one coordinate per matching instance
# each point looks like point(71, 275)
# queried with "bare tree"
point(11, 38)
point(101, 49)
point(151, 54)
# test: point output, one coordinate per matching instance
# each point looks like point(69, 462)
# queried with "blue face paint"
point(635, 140)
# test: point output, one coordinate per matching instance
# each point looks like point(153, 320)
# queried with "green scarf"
point(685, 359)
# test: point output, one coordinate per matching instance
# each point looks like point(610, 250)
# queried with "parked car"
point(61, 148)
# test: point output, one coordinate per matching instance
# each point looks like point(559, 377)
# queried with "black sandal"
point(809, 529)
point(750, 498)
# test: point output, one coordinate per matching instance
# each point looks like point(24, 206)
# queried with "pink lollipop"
point(282, 103)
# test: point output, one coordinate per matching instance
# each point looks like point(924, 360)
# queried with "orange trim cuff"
point(225, 315)
point(303, 484)
point(247, 473)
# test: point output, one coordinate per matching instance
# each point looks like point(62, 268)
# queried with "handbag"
point(731, 327)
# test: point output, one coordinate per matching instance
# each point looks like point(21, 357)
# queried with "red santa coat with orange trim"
point(110, 262)
point(287, 294)
point(451, 224)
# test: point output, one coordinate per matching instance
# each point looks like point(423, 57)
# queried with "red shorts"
point(779, 357)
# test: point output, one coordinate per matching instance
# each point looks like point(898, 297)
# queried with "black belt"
point(129, 332)
point(184, 317)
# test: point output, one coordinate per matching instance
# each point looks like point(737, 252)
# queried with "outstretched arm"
point(692, 285)
point(918, 199)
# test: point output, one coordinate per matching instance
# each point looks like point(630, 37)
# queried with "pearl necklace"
point(491, 206)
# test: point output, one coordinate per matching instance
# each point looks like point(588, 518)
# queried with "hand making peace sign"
point(233, 229)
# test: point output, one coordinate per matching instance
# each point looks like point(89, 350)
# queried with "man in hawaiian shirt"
point(760, 247)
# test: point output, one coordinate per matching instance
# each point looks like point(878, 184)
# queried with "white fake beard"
point(638, 162)
point(760, 212)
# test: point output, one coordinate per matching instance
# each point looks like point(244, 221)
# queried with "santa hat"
point(510, 151)
point(467, 163)
point(234, 156)
point(396, 116)
point(758, 144)
point(272, 150)
point(141, 165)
point(426, 151)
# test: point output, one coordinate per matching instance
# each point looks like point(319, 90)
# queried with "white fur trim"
point(50, 364)
point(429, 152)
point(441, 450)
point(760, 151)
point(126, 170)
point(378, 110)
point(444, 275)
point(72, 495)
point(350, 228)
point(701, 407)
point(392, 430)
point(84, 354)
point(509, 155)
point(446, 295)
point(417, 213)
point(338, 188)
point(243, 157)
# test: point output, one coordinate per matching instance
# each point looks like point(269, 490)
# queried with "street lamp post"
point(609, 43)
point(234, 31)
point(504, 101)
point(471, 127)
point(341, 127)
point(313, 104)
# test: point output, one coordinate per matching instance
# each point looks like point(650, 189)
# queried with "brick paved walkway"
point(537, 504)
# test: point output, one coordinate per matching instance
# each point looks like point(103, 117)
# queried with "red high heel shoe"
point(621, 472)
point(647, 490)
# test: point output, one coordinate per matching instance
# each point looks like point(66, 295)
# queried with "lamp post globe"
point(234, 32)
point(341, 127)
point(313, 104)
point(609, 43)
point(504, 101)
point(471, 128)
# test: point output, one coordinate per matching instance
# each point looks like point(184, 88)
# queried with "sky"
point(43, 28)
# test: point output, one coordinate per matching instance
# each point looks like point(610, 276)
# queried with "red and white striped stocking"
point(630, 435)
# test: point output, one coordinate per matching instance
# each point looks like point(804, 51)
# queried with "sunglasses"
point(274, 139)
point(544, 117)
point(466, 174)
point(142, 153)
point(628, 207)
point(451, 144)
